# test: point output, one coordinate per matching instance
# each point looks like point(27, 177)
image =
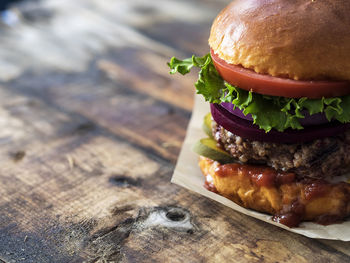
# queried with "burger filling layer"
point(321, 158)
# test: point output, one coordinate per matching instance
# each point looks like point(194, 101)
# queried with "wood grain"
point(91, 127)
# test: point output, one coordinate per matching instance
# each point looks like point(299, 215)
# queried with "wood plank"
point(146, 72)
point(143, 120)
point(90, 135)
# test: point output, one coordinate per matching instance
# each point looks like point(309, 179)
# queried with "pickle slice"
point(207, 147)
point(207, 125)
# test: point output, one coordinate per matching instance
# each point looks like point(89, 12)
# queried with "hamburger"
point(277, 78)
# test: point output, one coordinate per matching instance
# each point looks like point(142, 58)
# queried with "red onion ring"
point(237, 112)
point(246, 129)
point(309, 120)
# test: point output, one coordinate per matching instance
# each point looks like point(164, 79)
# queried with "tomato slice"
point(265, 84)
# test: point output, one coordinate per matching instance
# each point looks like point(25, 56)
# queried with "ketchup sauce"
point(316, 189)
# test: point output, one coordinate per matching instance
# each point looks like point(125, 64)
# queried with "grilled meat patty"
point(321, 158)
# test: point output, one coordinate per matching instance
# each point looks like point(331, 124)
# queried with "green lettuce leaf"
point(268, 112)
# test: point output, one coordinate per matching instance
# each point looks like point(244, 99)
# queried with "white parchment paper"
point(188, 175)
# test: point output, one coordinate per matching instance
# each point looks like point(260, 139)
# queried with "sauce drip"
point(288, 219)
point(209, 184)
point(290, 216)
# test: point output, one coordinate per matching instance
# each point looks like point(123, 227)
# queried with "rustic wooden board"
point(91, 126)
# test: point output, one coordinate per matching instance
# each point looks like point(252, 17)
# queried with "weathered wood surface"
point(91, 126)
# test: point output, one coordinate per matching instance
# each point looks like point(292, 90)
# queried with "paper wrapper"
point(188, 175)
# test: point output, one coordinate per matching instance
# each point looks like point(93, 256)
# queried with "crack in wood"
point(125, 181)
point(17, 156)
point(108, 244)
point(118, 210)
point(85, 127)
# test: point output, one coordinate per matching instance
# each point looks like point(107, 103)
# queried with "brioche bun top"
point(296, 39)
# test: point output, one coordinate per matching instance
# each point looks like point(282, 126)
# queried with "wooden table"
point(91, 127)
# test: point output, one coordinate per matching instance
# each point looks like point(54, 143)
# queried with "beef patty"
point(318, 159)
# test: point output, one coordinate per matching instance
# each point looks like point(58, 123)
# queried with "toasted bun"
point(237, 186)
point(299, 39)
